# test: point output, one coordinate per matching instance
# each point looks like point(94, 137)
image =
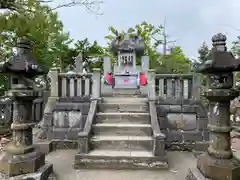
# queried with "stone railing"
point(174, 86)
point(74, 85)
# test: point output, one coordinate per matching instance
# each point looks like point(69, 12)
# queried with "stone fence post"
point(96, 83)
point(196, 84)
point(53, 73)
point(151, 84)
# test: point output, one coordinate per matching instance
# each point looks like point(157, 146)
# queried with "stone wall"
point(184, 122)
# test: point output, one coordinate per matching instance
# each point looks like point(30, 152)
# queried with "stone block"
point(163, 123)
point(186, 108)
point(42, 173)
point(220, 169)
point(186, 122)
point(59, 133)
point(14, 165)
point(173, 136)
point(205, 135)
point(43, 146)
point(175, 108)
point(159, 147)
point(192, 136)
point(202, 124)
point(161, 111)
point(83, 145)
point(64, 144)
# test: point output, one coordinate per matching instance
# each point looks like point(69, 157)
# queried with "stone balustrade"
point(74, 84)
point(177, 86)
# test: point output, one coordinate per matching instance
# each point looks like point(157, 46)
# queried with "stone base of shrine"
point(195, 174)
point(14, 165)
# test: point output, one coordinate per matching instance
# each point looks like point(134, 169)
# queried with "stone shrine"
point(218, 163)
point(125, 73)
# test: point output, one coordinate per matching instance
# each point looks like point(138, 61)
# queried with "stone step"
point(123, 117)
point(113, 159)
point(122, 142)
point(126, 93)
point(125, 100)
point(115, 107)
point(122, 129)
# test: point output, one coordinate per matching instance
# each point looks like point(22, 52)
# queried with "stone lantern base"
point(217, 169)
point(13, 165)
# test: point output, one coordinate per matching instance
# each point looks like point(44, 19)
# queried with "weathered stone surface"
point(43, 173)
point(184, 122)
point(106, 159)
point(14, 165)
point(220, 169)
point(122, 142)
point(122, 129)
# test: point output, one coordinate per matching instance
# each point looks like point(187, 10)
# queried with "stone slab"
point(44, 173)
point(120, 160)
point(122, 142)
point(122, 129)
point(126, 117)
point(116, 107)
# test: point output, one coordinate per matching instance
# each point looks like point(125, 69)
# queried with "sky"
point(189, 22)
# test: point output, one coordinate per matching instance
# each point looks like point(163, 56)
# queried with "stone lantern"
point(19, 156)
point(218, 163)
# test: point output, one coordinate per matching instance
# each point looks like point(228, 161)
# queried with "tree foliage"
point(20, 6)
point(203, 52)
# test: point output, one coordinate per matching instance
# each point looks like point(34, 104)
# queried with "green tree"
point(203, 52)
point(40, 26)
point(175, 62)
point(92, 54)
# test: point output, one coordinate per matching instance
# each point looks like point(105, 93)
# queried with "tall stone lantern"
point(218, 163)
point(19, 156)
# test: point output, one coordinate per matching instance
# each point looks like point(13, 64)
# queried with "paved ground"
point(62, 162)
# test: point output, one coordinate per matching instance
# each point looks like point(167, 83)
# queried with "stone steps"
point(122, 129)
point(115, 159)
point(122, 137)
point(123, 117)
point(122, 142)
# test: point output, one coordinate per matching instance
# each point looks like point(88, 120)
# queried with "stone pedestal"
point(19, 156)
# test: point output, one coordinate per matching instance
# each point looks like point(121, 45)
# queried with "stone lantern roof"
point(23, 62)
point(219, 60)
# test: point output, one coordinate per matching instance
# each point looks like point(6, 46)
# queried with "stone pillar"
point(106, 65)
point(145, 63)
point(20, 156)
point(53, 74)
point(196, 82)
point(96, 85)
point(218, 163)
point(151, 84)
point(79, 63)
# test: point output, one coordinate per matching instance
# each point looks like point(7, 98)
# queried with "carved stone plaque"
point(183, 121)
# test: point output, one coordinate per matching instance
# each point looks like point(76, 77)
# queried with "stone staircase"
point(122, 137)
